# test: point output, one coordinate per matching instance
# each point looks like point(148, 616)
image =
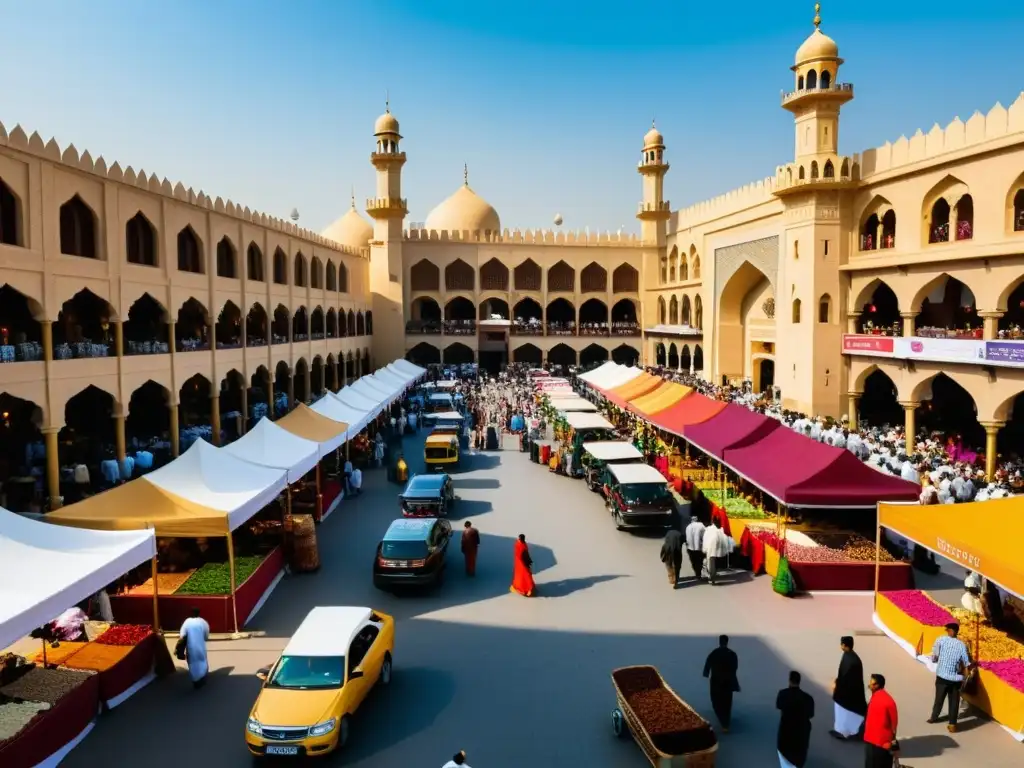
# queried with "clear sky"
point(272, 104)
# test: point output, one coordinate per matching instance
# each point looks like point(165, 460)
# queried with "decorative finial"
point(817, 15)
point(387, 102)
point(353, 197)
point(465, 174)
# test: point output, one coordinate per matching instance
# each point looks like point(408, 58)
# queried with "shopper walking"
point(695, 546)
point(196, 632)
point(721, 670)
point(715, 546)
point(794, 738)
point(880, 726)
point(458, 761)
point(951, 659)
point(470, 544)
point(848, 693)
point(672, 555)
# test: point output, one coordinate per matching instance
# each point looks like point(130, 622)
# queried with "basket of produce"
point(668, 730)
point(305, 553)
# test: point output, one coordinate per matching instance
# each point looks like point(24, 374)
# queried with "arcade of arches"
point(456, 353)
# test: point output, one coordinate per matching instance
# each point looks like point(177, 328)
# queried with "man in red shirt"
point(879, 725)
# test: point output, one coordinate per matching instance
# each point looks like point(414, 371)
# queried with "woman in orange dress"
point(522, 576)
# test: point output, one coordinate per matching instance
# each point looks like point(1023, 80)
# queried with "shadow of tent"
point(476, 483)
point(565, 587)
point(471, 462)
point(467, 509)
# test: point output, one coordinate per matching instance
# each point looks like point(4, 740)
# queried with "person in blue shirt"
point(949, 654)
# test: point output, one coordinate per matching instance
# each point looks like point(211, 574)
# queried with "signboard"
point(869, 345)
point(1006, 352)
point(941, 350)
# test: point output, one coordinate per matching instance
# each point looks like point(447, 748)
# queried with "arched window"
point(280, 267)
point(829, 171)
point(10, 220)
point(77, 229)
point(140, 241)
point(316, 274)
point(300, 270)
point(189, 258)
point(889, 229)
point(825, 309)
point(800, 83)
point(1018, 211)
point(254, 263)
point(814, 169)
point(938, 231)
point(226, 258)
point(826, 78)
point(869, 233)
point(332, 276)
point(812, 80)
point(796, 311)
point(800, 175)
point(965, 218)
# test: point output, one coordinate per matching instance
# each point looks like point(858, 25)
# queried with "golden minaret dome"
point(819, 45)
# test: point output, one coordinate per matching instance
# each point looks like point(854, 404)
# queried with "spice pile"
point(14, 716)
point(167, 583)
point(98, 657)
point(125, 634)
point(851, 548)
point(45, 685)
point(215, 578)
point(673, 727)
point(60, 654)
point(918, 606)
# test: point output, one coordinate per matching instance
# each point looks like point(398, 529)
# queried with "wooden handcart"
point(626, 721)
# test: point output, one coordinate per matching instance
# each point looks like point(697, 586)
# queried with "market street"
point(517, 681)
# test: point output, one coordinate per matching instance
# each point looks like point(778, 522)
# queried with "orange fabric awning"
point(637, 387)
point(983, 536)
point(306, 423)
point(665, 396)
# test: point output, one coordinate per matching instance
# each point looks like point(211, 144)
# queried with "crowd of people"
point(949, 471)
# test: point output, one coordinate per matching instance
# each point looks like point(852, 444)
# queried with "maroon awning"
point(731, 427)
point(800, 471)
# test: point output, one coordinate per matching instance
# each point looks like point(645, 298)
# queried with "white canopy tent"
point(406, 376)
point(559, 394)
point(404, 365)
point(388, 384)
point(268, 445)
point(372, 391)
point(212, 478)
point(587, 421)
point(577, 404)
point(613, 450)
point(601, 371)
point(45, 568)
point(394, 377)
point(335, 410)
point(371, 406)
point(615, 378)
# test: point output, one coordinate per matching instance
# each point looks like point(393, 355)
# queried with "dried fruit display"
point(1010, 671)
point(167, 583)
point(58, 655)
point(98, 657)
point(215, 578)
point(674, 728)
point(851, 548)
point(45, 685)
point(125, 634)
point(918, 606)
point(995, 644)
point(14, 716)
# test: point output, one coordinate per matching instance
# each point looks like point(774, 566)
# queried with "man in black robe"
point(672, 555)
point(721, 667)
point(794, 736)
point(848, 693)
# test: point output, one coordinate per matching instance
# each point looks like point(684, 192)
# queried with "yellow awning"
point(140, 504)
point(663, 397)
point(306, 423)
point(634, 388)
point(983, 536)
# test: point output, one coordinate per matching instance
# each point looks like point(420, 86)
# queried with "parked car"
point(412, 553)
point(597, 456)
point(309, 695)
point(638, 496)
point(428, 496)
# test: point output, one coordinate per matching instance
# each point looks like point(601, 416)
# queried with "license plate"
point(402, 564)
point(282, 750)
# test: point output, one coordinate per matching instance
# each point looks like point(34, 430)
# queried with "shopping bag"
point(783, 582)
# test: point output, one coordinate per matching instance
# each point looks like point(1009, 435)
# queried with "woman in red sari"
point(522, 576)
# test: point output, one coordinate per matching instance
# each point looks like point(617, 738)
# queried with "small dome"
point(464, 211)
point(653, 138)
point(386, 123)
point(351, 230)
point(817, 46)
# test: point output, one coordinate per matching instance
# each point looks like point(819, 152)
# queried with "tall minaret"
point(388, 210)
point(654, 210)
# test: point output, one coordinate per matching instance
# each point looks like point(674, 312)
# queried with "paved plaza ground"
point(526, 682)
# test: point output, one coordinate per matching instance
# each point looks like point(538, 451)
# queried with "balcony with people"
point(20, 328)
point(624, 319)
point(593, 318)
point(228, 330)
point(84, 328)
point(460, 317)
point(879, 231)
point(191, 331)
point(425, 316)
point(256, 326)
point(493, 309)
point(561, 318)
point(527, 317)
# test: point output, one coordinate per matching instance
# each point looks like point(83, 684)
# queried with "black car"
point(428, 496)
point(637, 496)
point(412, 553)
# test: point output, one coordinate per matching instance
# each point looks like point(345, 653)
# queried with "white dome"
point(464, 211)
point(351, 230)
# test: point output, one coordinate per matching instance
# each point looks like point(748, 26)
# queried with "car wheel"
point(344, 731)
point(618, 521)
point(385, 670)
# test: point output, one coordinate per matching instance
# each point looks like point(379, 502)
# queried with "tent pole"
point(319, 496)
point(156, 598)
point(231, 568)
point(878, 559)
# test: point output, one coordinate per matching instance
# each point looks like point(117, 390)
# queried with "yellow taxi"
point(441, 451)
point(308, 697)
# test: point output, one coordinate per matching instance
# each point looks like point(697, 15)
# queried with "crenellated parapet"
point(528, 237)
point(747, 196)
point(70, 157)
point(999, 123)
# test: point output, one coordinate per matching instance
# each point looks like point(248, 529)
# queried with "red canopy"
point(800, 471)
point(733, 427)
point(692, 409)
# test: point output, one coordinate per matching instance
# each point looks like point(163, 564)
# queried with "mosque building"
point(129, 299)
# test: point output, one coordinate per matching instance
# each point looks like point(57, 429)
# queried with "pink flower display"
point(1010, 671)
point(918, 606)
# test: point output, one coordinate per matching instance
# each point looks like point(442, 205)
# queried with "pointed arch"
point(527, 276)
point(424, 354)
point(627, 355)
point(494, 276)
point(594, 279)
point(673, 310)
point(226, 258)
point(938, 205)
point(78, 229)
point(280, 267)
point(673, 261)
point(685, 311)
point(562, 354)
point(316, 324)
point(254, 263)
point(10, 216)
point(299, 277)
point(698, 312)
point(593, 354)
point(662, 311)
point(332, 276)
point(257, 329)
point(228, 328)
point(342, 278)
point(561, 278)
point(459, 276)
point(424, 276)
point(625, 279)
point(316, 273)
point(190, 251)
point(140, 241)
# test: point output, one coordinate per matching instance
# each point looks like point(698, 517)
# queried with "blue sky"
point(272, 104)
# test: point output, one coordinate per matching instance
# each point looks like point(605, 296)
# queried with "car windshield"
point(435, 452)
point(643, 493)
point(305, 672)
point(403, 550)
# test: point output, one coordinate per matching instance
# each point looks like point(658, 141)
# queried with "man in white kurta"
point(196, 632)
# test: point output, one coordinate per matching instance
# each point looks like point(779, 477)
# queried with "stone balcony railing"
point(834, 88)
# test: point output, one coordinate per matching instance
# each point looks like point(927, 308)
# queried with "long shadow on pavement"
point(467, 509)
point(565, 587)
point(476, 483)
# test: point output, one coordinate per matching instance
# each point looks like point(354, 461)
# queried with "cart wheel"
point(619, 723)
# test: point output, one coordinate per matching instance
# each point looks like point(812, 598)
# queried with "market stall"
point(415, 372)
point(665, 396)
point(633, 389)
point(571, 404)
point(687, 412)
point(371, 404)
point(596, 375)
point(988, 545)
point(374, 390)
point(732, 427)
